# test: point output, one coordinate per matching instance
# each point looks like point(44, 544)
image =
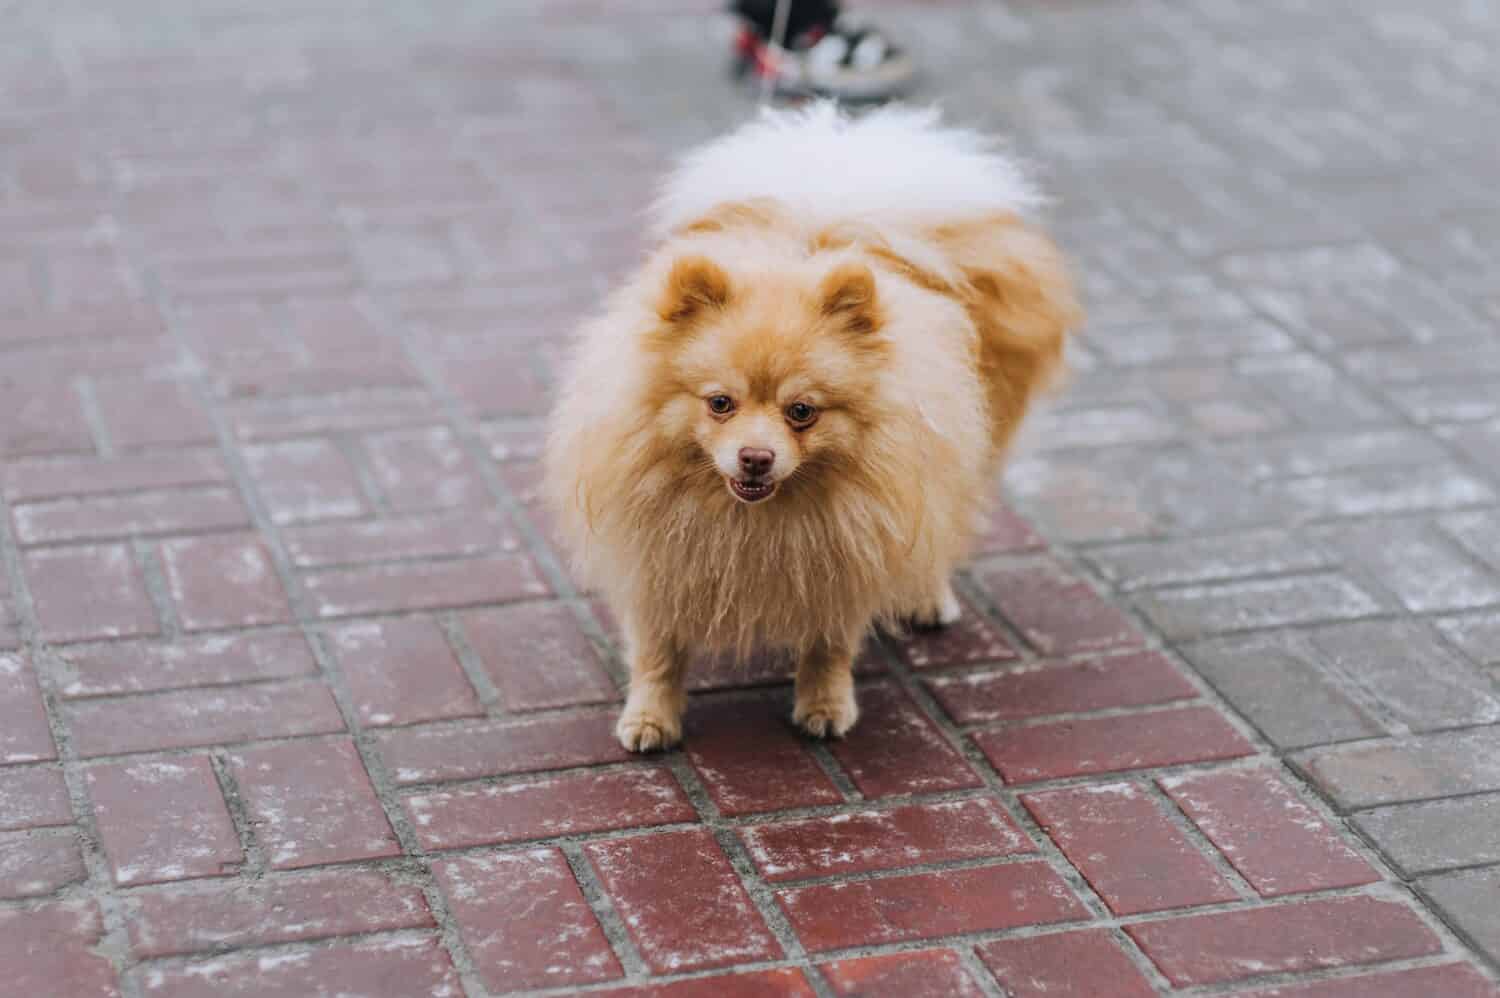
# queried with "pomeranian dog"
point(784, 427)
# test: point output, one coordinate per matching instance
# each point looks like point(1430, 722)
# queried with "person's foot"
point(845, 60)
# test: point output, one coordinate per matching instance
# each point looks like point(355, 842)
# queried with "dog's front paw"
point(826, 715)
point(645, 730)
point(944, 612)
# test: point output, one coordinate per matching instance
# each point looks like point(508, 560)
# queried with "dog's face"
point(769, 377)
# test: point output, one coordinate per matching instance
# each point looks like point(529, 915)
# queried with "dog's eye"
point(801, 414)
point(720, 405)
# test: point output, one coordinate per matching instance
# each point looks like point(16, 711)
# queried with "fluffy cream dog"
point(784, 427)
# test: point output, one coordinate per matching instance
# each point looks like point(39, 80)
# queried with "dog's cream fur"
point(878, 271)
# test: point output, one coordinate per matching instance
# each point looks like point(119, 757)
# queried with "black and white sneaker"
point(844, 60)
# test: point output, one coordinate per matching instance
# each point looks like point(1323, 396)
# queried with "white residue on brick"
point(1128, 791)
point(157, 772)
point(275, 961)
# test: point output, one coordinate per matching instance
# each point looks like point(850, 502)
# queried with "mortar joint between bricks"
point(353, 449)
point(473, 669)
point(148, 557)
point(979, 601)
point(905, 870)
point(605, 913)
point(1141, 776)
point(1460, 939)
point(762, 896)
point(1205, 847)
point(1013, 724)
point(1139, 959)
point(244, 826)
point(88, 400)
point(829, 764)
point(968, 958)
point(612, 654)
point(282, 948)
point(98, 886)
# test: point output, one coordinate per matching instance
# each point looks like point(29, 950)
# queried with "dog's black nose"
point(756, 461)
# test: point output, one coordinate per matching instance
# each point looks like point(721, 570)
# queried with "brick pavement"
point(295, 693)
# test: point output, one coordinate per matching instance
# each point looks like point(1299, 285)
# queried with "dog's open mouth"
point(751, 491)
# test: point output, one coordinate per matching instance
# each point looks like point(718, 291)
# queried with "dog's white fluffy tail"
point(893, 167)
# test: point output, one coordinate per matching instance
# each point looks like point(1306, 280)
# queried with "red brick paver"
point(382, 965)
point(204, 716)
point(219, 582)
point(1112, 744)
point(1204, 949)
point(928, 905)
point(924, 974)
point(52, 948)
point(424, 755)
point(524, 920)
point(1119, 838)
point(749, 759)
point(312, 803)
point(50, 521)
point(780, 983)
point(89, 592)
point(875, 840)
point(683, 903)
point(900, 751)
point(24, 735)
point(33, 798)
point(1082, 963)
point(298, 695)
point(315, 906)
point(1276, 842)
point(214, 660)
point(37, 865)
point(163, 820)
point(1130, 680)
point(1451, 980)
point(547, 807)
point(403, 672)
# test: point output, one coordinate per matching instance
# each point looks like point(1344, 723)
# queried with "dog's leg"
point(940, 611)
point(652, 718)
point(825, 690)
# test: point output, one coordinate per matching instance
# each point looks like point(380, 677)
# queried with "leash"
point(777, 45)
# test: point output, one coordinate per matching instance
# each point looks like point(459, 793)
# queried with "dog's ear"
point(695, 287)
point(847, 295)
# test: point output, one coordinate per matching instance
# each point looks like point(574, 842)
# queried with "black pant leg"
point(804, 14)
